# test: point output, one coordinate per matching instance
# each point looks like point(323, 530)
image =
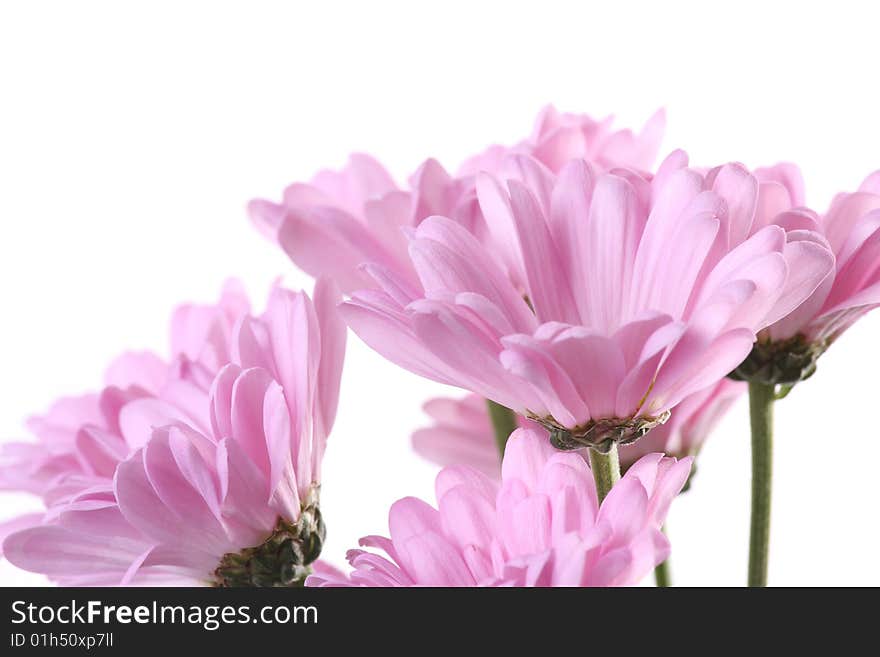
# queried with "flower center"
point(281, 560)
point(784, 362)
point(600, 434)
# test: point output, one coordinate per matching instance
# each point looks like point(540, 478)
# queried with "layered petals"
point(847, 236)
point(540, 525)
point(341, 220)
point(619, 295)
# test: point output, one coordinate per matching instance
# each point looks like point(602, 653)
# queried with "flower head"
point(787, 350)
point(540, 526)
point(599, 300)
point(341, 220)
point(214, 478)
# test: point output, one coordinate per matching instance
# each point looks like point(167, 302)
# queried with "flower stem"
point(606, 470)
point(503, 422)
point(761, 398)
point(662, 574)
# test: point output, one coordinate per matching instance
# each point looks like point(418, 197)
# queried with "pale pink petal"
point(143, 369)
point(333, 336)
point(548, 288)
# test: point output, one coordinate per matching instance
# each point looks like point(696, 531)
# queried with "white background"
point(131, 138)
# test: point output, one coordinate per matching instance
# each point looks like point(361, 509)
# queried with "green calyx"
point(783, 362)
point(282, 560)
point(600, 434)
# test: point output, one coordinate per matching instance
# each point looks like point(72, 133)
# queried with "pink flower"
point(540, 526)
point(462, 434)
point(787, 350)
point(341, 220)
point(215, 485)
point(607, 300)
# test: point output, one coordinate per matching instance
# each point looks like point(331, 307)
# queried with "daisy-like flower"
point(600, 300)
point(787, 351)
point(341, 220)
point(540, 526)
point(212, 485)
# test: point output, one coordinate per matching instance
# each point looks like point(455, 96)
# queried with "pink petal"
point(548, 287)
point(333, 336)
point(524, 458)
point(610, 243)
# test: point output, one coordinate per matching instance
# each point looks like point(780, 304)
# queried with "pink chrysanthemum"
point(540, 526)
point(341, 220)
point(786, 352)
point(213, 479)
point(600, 301)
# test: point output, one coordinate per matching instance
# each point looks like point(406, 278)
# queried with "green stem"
point(662, 574)
point(503, 422)
point(606, 470)
point(761, 398)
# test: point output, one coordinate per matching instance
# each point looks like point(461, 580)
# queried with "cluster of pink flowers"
point(603, 302)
